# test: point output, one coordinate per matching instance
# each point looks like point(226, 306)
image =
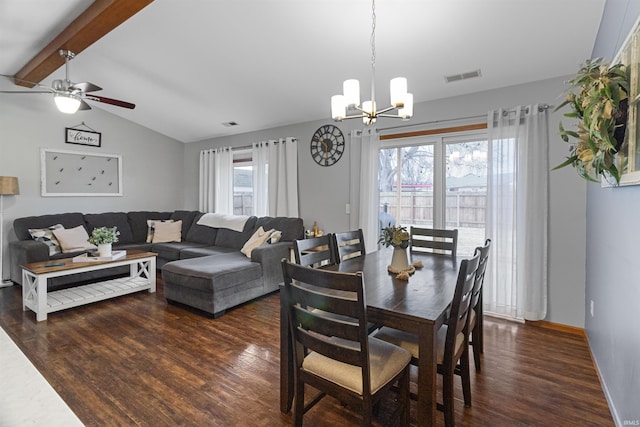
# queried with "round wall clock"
point(327, 145)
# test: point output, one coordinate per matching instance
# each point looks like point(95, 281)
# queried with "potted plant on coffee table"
point(103, 238)
point(598, 97)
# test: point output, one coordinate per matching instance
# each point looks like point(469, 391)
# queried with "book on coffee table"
point(94, 257)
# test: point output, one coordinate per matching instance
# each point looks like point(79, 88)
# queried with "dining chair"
point(315, 251)
point(350, 244)
point(452, 340)
point(476, 312)
point(434, 240)
point(338, 357)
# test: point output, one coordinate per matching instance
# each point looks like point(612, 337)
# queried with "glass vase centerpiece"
point(398, 237)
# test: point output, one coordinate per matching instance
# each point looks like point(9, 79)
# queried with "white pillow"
point(73, 239)
point(165, 232)
point(258, 239)
point(275, 236)
point(151, 227)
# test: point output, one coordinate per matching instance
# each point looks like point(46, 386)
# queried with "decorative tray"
point(94, 257)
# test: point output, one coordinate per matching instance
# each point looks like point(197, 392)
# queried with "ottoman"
point(213, 283)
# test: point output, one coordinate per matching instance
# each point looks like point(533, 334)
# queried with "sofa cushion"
point(74, 239)
point(138, 222)
point(234, 239)
point(195, 252)
point(171, 251)
point(111, 219)
point(258, 238)
point(21, 226)
point(201, 233)
point(186, 217)
point(212, 273)
point(292, 228)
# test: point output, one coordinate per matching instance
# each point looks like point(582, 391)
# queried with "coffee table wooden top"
point(44, 267)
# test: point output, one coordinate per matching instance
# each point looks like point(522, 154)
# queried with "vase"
point(104, 250)
point(399, 260)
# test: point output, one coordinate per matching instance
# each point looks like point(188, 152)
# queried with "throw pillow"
point(74, 239)
point(151, 227)
point(45, 235)
point(258, 239)
point(275, 236)
point(165, 232)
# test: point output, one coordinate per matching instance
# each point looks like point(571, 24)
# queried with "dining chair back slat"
point(476, 314)
point(350, 244)
point(315, 251)
point(434, 240)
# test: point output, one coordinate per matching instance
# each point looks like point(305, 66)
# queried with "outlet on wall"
point(591, 309)
point(347, 209)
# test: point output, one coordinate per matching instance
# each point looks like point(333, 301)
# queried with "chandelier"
point(349, 101)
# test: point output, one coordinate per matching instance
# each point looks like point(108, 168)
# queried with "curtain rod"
point(541, 107)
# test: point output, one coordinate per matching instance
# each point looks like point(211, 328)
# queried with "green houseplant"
point(598, 99)
point(104, 235)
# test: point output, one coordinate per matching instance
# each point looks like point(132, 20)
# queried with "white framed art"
point(74, 173)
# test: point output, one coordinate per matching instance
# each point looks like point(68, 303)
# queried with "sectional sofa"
point(205, 269)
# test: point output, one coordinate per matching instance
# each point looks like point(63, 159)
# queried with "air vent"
point(230, 124)
point(463, 76)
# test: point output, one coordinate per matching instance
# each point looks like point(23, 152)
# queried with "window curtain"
point(517, 212)
point(364, 198)
point(276, 177)
point(216, 180)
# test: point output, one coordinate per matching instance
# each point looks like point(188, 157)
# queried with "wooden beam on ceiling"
point(93, 24)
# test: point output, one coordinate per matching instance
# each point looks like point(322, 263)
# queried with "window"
point(440, 182)
point(243, 183)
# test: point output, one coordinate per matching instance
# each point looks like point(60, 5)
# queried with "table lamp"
point(8, 187)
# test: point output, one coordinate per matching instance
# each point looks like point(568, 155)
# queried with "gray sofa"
point(203, 251)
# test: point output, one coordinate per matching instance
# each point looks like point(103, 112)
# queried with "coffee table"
point(142, 276)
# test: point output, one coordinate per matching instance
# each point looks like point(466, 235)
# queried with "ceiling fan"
point(70, 97)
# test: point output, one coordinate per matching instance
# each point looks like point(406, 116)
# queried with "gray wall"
point(324, 191)
point(152, 163)
point(612, 252)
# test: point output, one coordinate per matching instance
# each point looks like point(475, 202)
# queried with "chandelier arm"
point(391, 116)
point(384, 110)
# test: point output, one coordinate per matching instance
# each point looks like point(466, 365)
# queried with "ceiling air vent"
point(463, 76)
point(230, 124)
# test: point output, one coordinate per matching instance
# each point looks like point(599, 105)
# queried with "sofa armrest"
point(24, 252)
point(270, 257)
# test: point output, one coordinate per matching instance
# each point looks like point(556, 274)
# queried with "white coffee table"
point(142, 276)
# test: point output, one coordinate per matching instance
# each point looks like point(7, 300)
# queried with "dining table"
point(418, 305)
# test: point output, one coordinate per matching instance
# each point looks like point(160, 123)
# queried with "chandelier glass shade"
point(67, 103)
point(348, 106)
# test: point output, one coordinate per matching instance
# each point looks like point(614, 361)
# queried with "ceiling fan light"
point(351, 89)
point(407, 111)
point(338, 108)
point(398, 91)
point(67, 103)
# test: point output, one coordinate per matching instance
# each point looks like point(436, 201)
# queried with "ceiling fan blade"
point(84, 106)
point(25, 91)
point(85, 87)
point(111, 101)
point(14, 78)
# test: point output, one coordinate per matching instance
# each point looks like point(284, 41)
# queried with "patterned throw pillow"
point(45, 235)
point(151, 227)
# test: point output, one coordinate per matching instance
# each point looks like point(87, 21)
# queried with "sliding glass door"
point(438, 182)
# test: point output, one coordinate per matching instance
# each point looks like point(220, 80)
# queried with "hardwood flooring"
point(136, 360)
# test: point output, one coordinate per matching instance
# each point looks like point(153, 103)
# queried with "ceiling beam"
point(93, 24)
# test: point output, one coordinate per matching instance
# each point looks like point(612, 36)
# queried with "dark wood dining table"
point(418, 305)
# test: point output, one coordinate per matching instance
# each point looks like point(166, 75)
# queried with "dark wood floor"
point(135, 360)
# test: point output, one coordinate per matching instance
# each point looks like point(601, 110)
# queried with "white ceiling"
point(191, 65)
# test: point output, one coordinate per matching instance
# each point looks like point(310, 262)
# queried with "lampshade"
point(398, 91)
point(67, 103)
point(9, 185)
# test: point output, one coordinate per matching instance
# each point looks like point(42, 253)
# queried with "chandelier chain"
point(373, 52)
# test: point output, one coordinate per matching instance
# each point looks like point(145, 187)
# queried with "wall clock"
point(327, 145)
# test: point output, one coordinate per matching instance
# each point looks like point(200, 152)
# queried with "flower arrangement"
point(102, 235)
point(398, 237)
point(598, 99)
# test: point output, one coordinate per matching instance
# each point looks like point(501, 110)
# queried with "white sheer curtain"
point(365, 198)
point(517, 212)
point(276, 177)
point(216, 180)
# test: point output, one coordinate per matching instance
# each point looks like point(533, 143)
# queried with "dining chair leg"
point(476, 343)
point(466, 378)
point(298, 405)
point(405, 397)
point(447, 397)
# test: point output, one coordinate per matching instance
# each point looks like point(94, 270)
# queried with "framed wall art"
point(72, 173)
point(82, 134)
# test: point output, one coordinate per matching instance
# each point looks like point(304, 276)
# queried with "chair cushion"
point(386, 361)
point(409, 341)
